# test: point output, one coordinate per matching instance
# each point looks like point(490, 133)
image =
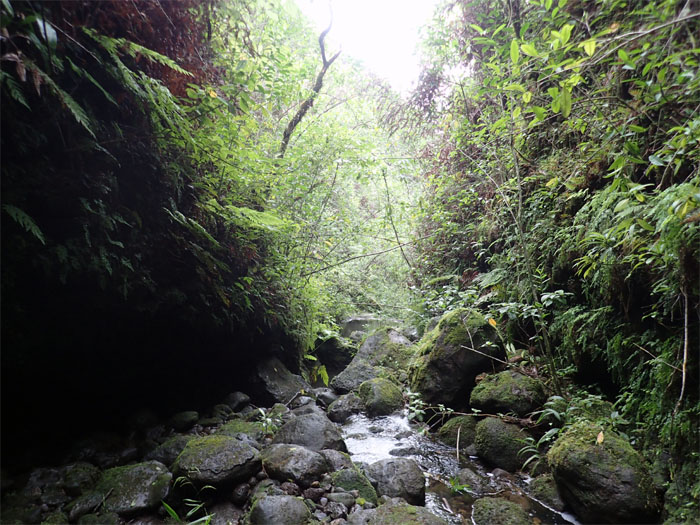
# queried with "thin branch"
point(391, 219)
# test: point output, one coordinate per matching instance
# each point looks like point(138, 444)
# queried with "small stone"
point(240, 493)
point(336, 510)
point(315, 484)
point(345, 498)
point(314, 494)
point(323, 501)
point(291, 488)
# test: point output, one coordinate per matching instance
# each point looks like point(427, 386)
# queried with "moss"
point(499, 443)
point(405, 514)
point(466, 426)
point(55, 518)
point(544, 489)
point(253, 429)
point(487, 511)
point(508, 391)
point(353, 479)
point(380, 396)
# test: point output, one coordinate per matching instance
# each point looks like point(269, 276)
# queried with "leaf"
point(477, 28)
point(552, 182)
point(527, 97)
point(514, 51)
point(600, 437)
point(493, 322)
point(8, 6)
point(588, 46)
point(25, 221)
point(565, 33)
point(529, 50)
point(656, 160)
point(565, 102)
point(539, 112)
point(644, 224)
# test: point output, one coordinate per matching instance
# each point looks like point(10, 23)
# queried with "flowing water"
point(371, 439)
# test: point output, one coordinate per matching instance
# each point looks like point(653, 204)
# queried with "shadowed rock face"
point(314, 431)
point(294, 462)
point(399, 478)
point(452, 355)
point(604, 481)
point(275, 383)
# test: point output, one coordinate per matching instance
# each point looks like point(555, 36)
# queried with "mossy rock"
point(353, 479)
point(380, 396)
point(253, 429)
point(281, 509)
point(217, 459)
point(79, 478)
point(135, 488)
point(544, 488)
point(401, 513)
point(601, 477)
point(55, 518)
point(487, 511)
point(499, 443)
point(508, 391)
point(465, 425)
point(103, 518)
point(445, 367)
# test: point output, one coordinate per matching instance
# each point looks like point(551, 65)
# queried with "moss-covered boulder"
point(344, 407)
point(217, 459)
point(235, 427)
point(169, 450)
point(499, 442)
point(81, 477)
point(380, 396)
point(465, 426)
point(386, 350)
point(447, 364)
point(487, 511)
point(508, 391)
point(286, 510)
point(136, 488)
point(353, 479)
point(601, 477)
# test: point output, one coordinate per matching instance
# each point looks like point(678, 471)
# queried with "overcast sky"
point(381, 33)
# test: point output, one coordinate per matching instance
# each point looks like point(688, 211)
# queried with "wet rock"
point(103, 518)
point(399, 478)
point(314, 493)
point(85, 504)
point(168, 451)
point(361, 517)
point(445, 368)
point(544, 489)
point(335, 353)
point(335, 509)
point(344, 407)
point(336, 459)
point(279, 509)
point(183, 421)
point(222, 411)
point(277, 383)
point(487, 511)
point(135, 488)
point(473, 481)
point(353, 479)
point(464, 425)
point(253, 429)
point(508, 391)
point(314, 431)
point(291, 488)
point(225, 514)
point(215, 459)
point(345, 498)
point(403, 452)
point(601, 477)
point(499, 443)
point(54, 495)
point(294, 462)
point(55, 518)
point(397, 511)
point(384, 349)
point(240, 493)
point(325, 396)
point(267, 487)
point(380, 396)
point(236, 400)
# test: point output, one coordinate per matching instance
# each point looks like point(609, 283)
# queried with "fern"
point(25, 221)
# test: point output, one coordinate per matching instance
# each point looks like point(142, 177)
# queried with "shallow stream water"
point(371, 439)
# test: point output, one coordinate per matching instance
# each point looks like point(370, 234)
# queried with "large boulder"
point(217, 459)
point(462, 426)
point(314, 431)
point(499, 443)
point(344, 407)
point(395, 512)
point(380, 396)
point(385, 350)
point(544, 489)
point(508, 391)
point(276, 383)
point(135, 488)
point(359, 323)
point(487, 511)
point(286, 510)
point(293, 462)
point(335, 353)
point(399, 478)
point(601, 477)
point(451, 356)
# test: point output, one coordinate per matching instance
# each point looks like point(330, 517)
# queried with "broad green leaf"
point(637, 129)
point(8, 6)
point(548, 4)
point(621, 205)
point(25, 221)
point(514, 51)
point(588, 46)
point(529, 50)
point(539, 112)
point(477, 28)
point(552, 182)
point(527, 97)
point(516, 112)
point(565, 33)
point(644, 224)
point(656, 160)
point(565, 102)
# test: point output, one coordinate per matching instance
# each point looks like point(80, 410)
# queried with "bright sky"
point(381, 33)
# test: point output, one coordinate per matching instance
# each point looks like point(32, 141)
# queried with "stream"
point(372, 439)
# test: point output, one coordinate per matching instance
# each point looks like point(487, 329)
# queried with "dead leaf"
point(600, 437)
point(493, 322)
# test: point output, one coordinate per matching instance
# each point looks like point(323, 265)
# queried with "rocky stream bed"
point(346, 454)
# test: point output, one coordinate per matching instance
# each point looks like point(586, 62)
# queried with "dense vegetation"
point(565, 200)
point(190, 186)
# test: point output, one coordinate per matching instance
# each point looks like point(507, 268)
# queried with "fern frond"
point(25, 221)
